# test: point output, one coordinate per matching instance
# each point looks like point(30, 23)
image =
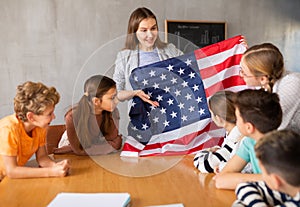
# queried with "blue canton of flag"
point(176, 84)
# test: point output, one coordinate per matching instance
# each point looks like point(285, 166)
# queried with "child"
point(222, 110)
point(257, 112)
point(92, 125)
point(24, 133)
point(262, 65)
point(279, 159)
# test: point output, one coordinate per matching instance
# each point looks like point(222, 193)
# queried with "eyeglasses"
point(243, 74)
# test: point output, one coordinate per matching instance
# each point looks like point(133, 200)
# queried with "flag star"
point(192, 108)
point(184, 84)
point(199, 99)
point(144, 126)
point(166, 123)
point(174, 80)
point(139, 136)
point(188, 62)
point(152, 107)
point(159, 98)
point(132, 104)
point(155, 119)
point(181, 105)
point(181, 71)
point(155, 86)
point(134, 128)
point(163, 77)
point(196, 87)
point(177, 92)
point(148, 113)
point(188, 96)
point(145, 82)
point(184, 118)
point(192, 75)
point(170, 67)
point(201, 111)
point(170, 102)
point(136, 78)
point(173, 114)
point(152, 73)
point(163, 110)
point(167, 89)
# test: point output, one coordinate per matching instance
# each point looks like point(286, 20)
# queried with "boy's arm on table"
point(14, 171)
point(231, 175)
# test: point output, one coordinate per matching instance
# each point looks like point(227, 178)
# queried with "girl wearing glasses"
point(263, 66)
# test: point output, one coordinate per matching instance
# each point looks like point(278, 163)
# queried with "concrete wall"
point(62, 42)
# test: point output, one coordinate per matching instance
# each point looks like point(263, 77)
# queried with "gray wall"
point(63, 42)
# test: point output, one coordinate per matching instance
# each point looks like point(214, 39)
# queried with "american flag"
point(182, 85)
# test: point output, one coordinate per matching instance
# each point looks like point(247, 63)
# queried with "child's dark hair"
point(260, 108)
point(222, 105)
point(95, 86)
point(279, 153)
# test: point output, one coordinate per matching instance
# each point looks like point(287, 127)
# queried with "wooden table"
point(149, 181)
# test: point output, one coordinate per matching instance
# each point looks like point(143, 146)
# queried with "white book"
point(91, 200)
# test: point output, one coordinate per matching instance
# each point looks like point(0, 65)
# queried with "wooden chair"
point(53, 137)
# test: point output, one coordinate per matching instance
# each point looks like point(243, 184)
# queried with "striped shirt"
point(205, 161)
point(258, 194)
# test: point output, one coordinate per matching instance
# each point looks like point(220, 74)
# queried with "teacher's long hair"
point(95, 86)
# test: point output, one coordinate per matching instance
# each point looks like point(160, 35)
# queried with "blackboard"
point(188, 35)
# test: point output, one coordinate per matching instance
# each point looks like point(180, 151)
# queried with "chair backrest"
point(53, 136)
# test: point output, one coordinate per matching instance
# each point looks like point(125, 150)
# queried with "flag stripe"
point(212, 70)
point(183, 139)
point(220, 57)
point(214, 49)
point(229, 72)
point(224, 84)
point(173, 147)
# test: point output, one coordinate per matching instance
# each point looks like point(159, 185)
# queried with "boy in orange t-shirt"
point(24, 133)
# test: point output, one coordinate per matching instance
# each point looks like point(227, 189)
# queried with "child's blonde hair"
point(265, 59)
point(34, 97)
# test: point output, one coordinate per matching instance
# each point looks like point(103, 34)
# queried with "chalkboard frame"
point(195, 28)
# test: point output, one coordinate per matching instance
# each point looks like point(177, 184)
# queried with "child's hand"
point(214, 149)
point(61, 169)
point(244, 42)
point(217, 169)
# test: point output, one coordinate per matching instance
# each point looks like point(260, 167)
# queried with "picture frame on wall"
point(188, 35)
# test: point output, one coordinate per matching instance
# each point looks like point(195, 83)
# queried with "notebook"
point(91, 200)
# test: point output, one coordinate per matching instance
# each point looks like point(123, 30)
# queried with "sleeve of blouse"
point(288, 92)
point(72, 135)
point(174, 51)
point(119, 73)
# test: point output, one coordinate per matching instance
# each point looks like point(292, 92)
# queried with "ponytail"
point(81, 115)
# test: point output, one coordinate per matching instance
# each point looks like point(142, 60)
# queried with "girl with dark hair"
point(92, 125)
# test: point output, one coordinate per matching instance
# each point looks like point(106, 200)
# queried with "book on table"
point(91, 200)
